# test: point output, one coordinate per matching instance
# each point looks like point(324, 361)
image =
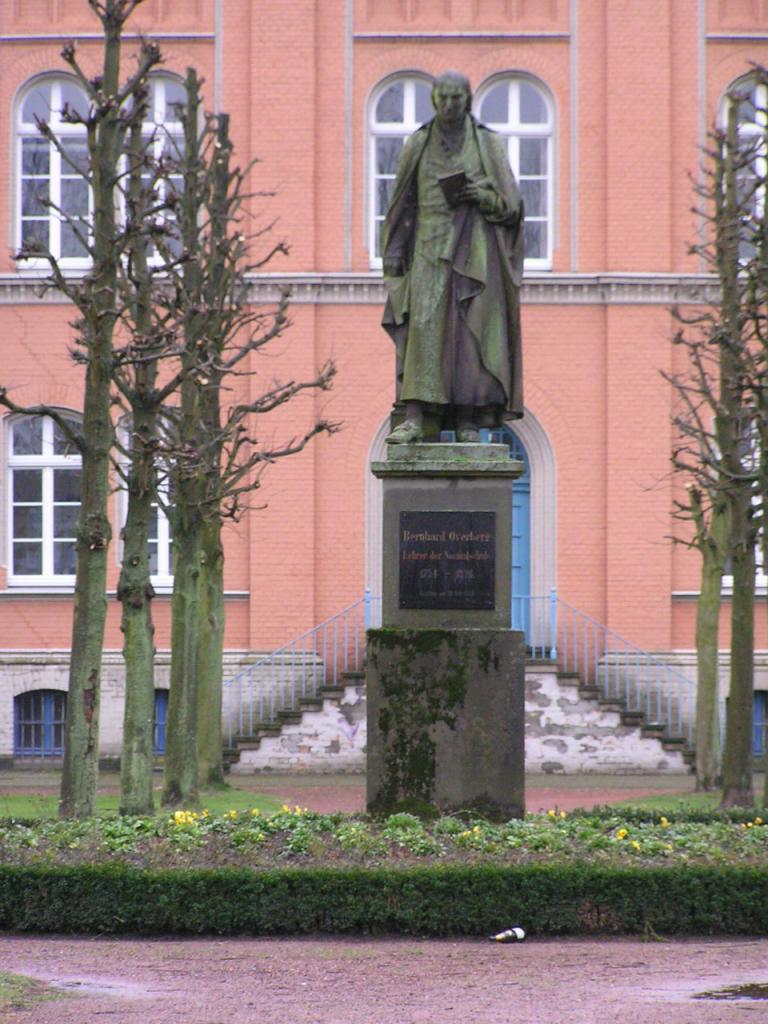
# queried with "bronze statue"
point(453, 263)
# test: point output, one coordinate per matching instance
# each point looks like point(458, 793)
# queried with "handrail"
point(278, 681)
point(555, 631)
point(602, 658)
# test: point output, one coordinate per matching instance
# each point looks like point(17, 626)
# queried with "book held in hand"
point(452, 185)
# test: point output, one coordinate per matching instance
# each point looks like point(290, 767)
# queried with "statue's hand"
point(394, 267)
point(480, 196)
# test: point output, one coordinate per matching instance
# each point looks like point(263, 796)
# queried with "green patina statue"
point(453, 264)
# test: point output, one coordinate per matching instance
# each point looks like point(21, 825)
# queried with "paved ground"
point(385, 981)
point(388, 981)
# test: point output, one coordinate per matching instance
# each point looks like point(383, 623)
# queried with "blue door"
point(521, 531)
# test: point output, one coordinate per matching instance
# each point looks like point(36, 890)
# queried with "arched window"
point(54, 199)
point(50, 178)
point(38, 723)
point(44, 470)
point(518, 109)
point(751, 96)
point(397, 109)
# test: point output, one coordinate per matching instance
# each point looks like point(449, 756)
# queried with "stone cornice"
point(368, 289)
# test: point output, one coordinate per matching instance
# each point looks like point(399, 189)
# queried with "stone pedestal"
point(445, 674)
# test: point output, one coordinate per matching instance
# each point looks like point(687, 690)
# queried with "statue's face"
point(450, 99)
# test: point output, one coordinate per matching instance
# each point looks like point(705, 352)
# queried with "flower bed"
point(297, 871)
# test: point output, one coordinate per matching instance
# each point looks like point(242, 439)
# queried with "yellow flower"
point(664, 822)
point(563, 814)
point(476, 829)
point(758, 821)
point(550, 814)
point(635, 844)
point(231, 814)
point(255, 812)
point(749, 824)
point(622, 833)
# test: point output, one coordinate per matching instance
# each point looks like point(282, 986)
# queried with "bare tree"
point(95, 296)
point(721, 428)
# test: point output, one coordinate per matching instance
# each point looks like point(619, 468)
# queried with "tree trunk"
point(707, 729)
point(135, 592)
point(737, 757)
point(81, 751)
point(181, 782)
point(210, 657)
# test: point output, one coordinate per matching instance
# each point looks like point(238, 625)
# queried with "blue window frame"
point(760, 723)
point(161, 717)
point(39, 723)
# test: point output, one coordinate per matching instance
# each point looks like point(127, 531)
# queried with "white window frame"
point(388, 129)
point(57, 168)
point(160, 124)
point(47, 462)
point(513, 130)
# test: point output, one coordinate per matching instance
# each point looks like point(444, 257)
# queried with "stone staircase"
point(570, 728)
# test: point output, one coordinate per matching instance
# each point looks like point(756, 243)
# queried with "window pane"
point(534, 195)
point(533, 156)
point(74, 197)
point(35, 157)
point(27, 559)
point(27, 485)
point(28, 522)
point(66, 485)
point(34, 234)
point(152, 552)
point(71, 245)
point(65, 520)
point(383, 195)
point(64, 560)
point(424, 108)
point(175, 96)
point(533, 109)
point(61, 445)
point(152, 524)
point(34, 195)
point(387, 154)
point(74, 98)
point(495, 106)
point(389, 109)
point(37, 104)
point(535, 239)
point(28, 436)
point(75, 153)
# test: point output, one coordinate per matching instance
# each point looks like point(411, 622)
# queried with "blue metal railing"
point(555, 631)
point(277, 681)
point(621, 670)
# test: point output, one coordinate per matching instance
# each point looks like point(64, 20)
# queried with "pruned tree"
point(214, 453)
point(721, 433)
point(95, 297)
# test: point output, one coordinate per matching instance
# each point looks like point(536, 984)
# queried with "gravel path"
point(385, 981)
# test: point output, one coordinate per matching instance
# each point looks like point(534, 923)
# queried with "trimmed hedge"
point(436, 901)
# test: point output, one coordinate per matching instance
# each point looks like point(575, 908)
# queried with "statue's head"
point(449, 91)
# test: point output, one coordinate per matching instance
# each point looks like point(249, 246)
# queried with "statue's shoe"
point(408, 432)
point(468, 435)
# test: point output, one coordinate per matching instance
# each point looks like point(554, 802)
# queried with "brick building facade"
point(605, 104)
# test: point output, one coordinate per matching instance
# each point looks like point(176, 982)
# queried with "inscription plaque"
point(447, 560)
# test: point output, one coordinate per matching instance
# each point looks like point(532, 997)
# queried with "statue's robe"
point(455, 314)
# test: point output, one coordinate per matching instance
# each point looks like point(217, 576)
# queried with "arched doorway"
point(534, 512)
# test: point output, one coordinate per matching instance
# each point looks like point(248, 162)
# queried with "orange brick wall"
point(295, 86)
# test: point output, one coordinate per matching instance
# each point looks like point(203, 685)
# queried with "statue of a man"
point(453, 263)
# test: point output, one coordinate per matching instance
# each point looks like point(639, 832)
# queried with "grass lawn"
point(20, 805)
point(19, 993)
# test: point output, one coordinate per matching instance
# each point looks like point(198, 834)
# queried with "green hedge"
point(545, 900)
